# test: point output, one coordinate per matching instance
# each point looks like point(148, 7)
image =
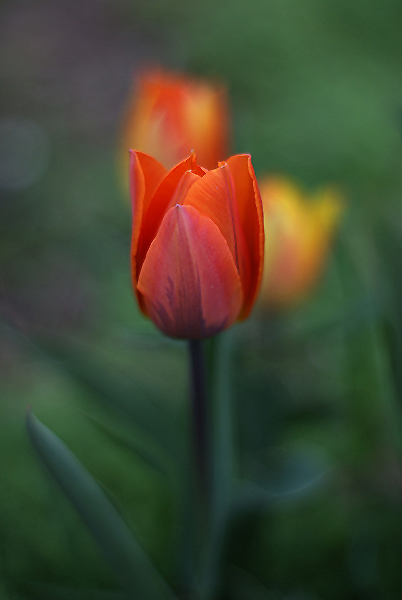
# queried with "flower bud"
point(298, 234)
point(197, 243)
point(169, 116)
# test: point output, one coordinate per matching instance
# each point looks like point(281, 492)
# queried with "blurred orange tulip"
point(298, 233)
point(170, 116)
point(197, 243)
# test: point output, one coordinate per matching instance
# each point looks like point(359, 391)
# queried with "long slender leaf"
point(118, 435)
point(251, 496)
point(130, 564)
point(115, 391)
point(46, 591)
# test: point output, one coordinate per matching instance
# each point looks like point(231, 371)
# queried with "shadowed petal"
point(146, 173)
point(162, 200)
point(250, 212)
point(189, 281)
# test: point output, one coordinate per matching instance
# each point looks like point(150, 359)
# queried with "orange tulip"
point(298, 233)
point(170, 116)
point(197, 243)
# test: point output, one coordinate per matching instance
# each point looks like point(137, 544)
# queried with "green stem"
point(199, 415)
point(213, 460)
point(222, 468)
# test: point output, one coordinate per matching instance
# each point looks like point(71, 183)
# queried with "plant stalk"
point(198, 385)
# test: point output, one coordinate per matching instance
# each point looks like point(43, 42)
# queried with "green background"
point(315, 91)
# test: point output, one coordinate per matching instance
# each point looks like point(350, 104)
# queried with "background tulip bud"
point(170, 116)
point(298, 233)
point(197, 243)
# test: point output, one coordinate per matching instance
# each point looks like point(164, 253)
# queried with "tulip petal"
point(146, 173)
point(162, 200)
point(215, 197)
point(250, 212)
point(189, 281)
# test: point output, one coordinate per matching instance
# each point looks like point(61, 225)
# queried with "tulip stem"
point(200, 416)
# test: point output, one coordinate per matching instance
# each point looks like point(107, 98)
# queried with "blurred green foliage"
point(316, 94)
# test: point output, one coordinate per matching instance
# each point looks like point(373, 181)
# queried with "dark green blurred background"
point(316, 94)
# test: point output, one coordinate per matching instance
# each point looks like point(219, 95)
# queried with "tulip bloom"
point(298, 233)
point(197, 243)
point(170, 116)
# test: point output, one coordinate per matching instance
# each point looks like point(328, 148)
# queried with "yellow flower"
point(298, 233)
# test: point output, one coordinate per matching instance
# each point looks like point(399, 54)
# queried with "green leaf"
point(155, 461)
point(130, 564)
point(153, 428)
point(251, 496)
point(46, 591)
